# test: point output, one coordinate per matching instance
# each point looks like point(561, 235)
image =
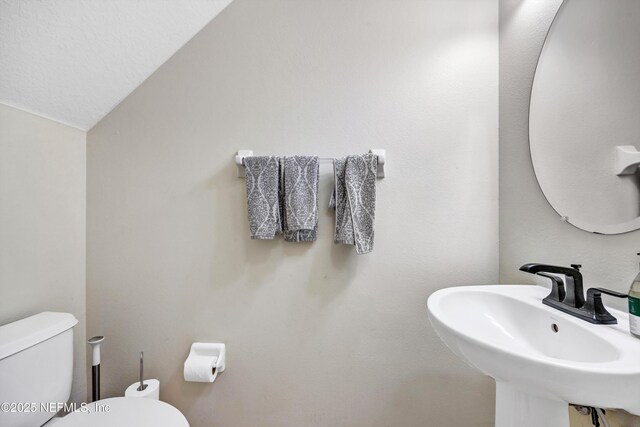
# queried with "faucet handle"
point(557, 287)
point(594, 306)
point(597, 291)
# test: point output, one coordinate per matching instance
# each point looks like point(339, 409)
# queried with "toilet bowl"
point(123, 412)
point(36, 366)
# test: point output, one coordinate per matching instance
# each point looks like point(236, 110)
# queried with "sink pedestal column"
point(517, 408)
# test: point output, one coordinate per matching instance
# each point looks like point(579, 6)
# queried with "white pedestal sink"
point(542, 359)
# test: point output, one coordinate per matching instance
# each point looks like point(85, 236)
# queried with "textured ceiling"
point(74, 60)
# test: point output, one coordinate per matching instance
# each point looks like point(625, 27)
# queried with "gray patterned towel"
point(300, 194)
point(263, 196)
point(354, 199)
point(340, 202)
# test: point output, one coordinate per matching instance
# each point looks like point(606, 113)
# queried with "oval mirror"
point(584, 117)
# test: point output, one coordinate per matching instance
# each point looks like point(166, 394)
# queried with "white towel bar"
point(382, 157)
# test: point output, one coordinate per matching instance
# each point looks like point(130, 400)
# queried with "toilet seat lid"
point(126, 412)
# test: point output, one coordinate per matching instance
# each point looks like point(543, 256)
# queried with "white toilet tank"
point(36, 367)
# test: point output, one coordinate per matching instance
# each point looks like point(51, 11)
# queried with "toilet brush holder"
point(95, 343)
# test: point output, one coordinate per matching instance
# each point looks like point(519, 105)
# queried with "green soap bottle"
point(634, 307)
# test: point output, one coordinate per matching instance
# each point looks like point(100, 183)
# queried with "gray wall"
point(316, 335)
point(530, 230)
point(42, 224)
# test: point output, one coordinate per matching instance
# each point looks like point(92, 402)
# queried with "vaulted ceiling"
point(73, 61)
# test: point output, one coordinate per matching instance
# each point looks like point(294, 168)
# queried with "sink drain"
point(554, 327)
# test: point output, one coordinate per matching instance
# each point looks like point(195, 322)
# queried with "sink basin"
point(542, 359)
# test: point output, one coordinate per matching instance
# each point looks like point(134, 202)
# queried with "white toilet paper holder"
point(627, 160)
point(216, 351)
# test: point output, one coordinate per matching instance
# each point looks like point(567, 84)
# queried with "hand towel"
point(340, 202)
point(300, 193)
point(263, 196)
point(354, 199)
